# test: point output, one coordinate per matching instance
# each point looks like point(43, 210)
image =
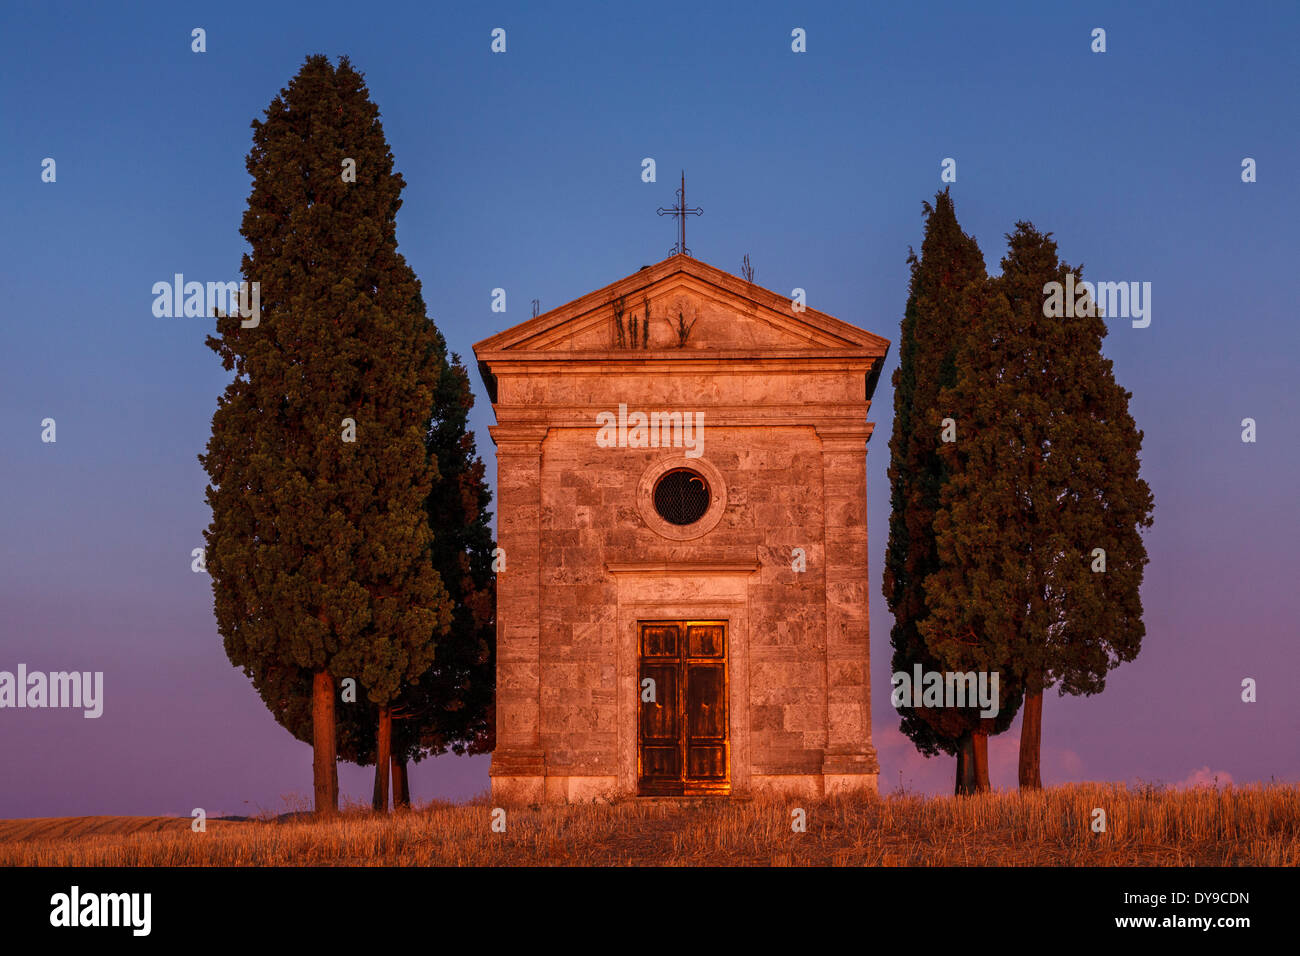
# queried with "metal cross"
point(681, 212)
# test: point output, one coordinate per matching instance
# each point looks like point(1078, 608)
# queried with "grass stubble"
point(1256, 825)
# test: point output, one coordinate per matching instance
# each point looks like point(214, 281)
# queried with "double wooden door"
point(682, 745)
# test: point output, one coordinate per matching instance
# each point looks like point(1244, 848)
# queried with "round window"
point(682, 497)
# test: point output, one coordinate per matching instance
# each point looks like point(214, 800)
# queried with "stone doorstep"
point(695, 800)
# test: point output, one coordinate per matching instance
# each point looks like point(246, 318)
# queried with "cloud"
point(1205, 777)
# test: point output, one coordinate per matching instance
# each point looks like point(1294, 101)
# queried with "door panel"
point(707, 764)
point(661, 737)
point(707, 640)
point(682, 734)
point(661, 766)
point(706, 710)
point(659, 640)
point(659, 717)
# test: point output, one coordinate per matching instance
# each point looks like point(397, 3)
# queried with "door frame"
point(684, 659)
point(680, 591)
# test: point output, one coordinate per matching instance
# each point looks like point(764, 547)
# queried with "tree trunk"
point(965, 765)
point(325, 767)
point(980, 758)
point(1031, 741)
point(383, 758)
point(401, 786)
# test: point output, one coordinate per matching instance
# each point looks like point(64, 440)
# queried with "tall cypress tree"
point(934, 323)
point(1038, 528)
point(319, 547)
point(450, 706)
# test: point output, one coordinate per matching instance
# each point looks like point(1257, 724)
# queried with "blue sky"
point(523, 172)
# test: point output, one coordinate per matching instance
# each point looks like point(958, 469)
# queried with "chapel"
point(682, 516)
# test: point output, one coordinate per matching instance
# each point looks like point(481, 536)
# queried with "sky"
point(523, 172)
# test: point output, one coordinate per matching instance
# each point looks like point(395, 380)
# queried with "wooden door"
point(682, 745)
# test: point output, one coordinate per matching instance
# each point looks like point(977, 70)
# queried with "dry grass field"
point(63, 829)
point(1244, 826)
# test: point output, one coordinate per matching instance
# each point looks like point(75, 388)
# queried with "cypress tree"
point(319, 547)
point(934, 323)
point(450, 706)
point(455, 706)
point(1044, 472)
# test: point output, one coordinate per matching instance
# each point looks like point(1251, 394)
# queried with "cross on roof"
point(681, 212)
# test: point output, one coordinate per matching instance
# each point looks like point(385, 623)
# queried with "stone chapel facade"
point(683, 606)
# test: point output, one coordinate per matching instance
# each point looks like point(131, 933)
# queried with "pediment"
point(723, 313)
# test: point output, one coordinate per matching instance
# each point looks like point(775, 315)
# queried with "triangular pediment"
point(724, 313)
